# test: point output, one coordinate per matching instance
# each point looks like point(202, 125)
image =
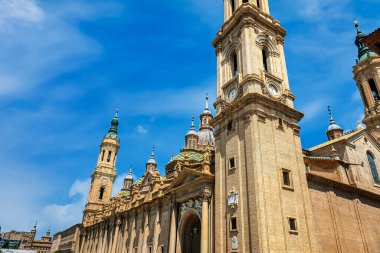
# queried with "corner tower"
point(367, 77)
point(105, 171)
point(262, 202)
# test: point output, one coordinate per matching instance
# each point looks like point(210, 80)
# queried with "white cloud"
point(64, 215)
point(141, 129)
point(24, 10)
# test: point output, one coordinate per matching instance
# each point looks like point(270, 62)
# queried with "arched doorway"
point(191, 234)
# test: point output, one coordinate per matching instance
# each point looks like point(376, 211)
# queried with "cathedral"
point(242, 182)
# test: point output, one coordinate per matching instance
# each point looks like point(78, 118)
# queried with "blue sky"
point(66, 65)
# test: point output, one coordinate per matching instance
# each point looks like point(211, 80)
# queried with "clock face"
point(273, 89)
point(232, 94)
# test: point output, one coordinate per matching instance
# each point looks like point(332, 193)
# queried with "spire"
point(363, 51)
point(192, 127)
point(152, 160)
point(207, 110)
point(112, 132)
point(130, 175)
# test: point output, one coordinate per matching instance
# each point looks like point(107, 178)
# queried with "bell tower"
point(366, 74)
point(261, 195)
point(105, 171)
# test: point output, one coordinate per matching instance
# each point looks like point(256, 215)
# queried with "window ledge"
point(289, 188)
point(293, 232)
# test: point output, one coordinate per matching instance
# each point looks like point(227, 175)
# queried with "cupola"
point(334, 130)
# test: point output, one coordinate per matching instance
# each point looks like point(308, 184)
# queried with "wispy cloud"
point(141, 129)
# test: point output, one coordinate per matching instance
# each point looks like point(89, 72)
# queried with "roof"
point(373, 41)
point(189, 155)
point(343, 137)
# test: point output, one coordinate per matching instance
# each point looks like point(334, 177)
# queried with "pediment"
point(186, 176)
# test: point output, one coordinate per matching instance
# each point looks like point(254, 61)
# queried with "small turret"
point(128, 181)
point(334, 130)
point(205, 133)
point(191, 139)
point(151, 164)
point(363, 51)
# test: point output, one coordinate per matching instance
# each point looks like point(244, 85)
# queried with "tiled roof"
point(189, 155)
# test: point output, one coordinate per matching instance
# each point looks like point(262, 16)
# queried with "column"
point(105, 237)
point(116, 235)
point(157, 229)
point(204, 223)
point(173, 228)
point(133, 234)
point(83, 240)
point(101, 238)
point(368, 93)
point(145, 231)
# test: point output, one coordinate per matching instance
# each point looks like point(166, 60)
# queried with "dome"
point(151, 159)
point(206, 137)
point(334, 127)
point(206, 112)
point(191, 132)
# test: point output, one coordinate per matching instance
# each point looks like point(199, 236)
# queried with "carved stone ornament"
point(235, 244)
point(194, 204)
point(233, 199)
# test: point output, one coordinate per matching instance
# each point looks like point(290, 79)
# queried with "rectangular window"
point(101, 193)
point(233, 224)
point(280, 123)
point(292, 224)
point(103, 155)
point(286, 177)
point(232, 163)
point(162, 248)
point(307, 167)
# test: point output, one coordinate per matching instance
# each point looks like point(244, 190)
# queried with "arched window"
point(234, 63)
point(204, 122)
point(372, 165)
point(258, 3)
point(101, 193)
point(265, 60)
point(103, 155)
point(374, 90)
point(109, 156)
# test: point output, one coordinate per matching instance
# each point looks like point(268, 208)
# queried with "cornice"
point(248, 14)
point(256, 98)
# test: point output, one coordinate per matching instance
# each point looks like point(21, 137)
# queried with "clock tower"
point(262, 202)
point(103, 177)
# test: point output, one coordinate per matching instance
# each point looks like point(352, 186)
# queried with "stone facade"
point(67, 241)
point(242, 182)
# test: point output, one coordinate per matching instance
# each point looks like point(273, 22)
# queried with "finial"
point(130, 170)
point(356, 24)
point(330, 113)
point(192, 122)
point(152, 155)
point(206, 101)
point(117, 112)
point(172, 157)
